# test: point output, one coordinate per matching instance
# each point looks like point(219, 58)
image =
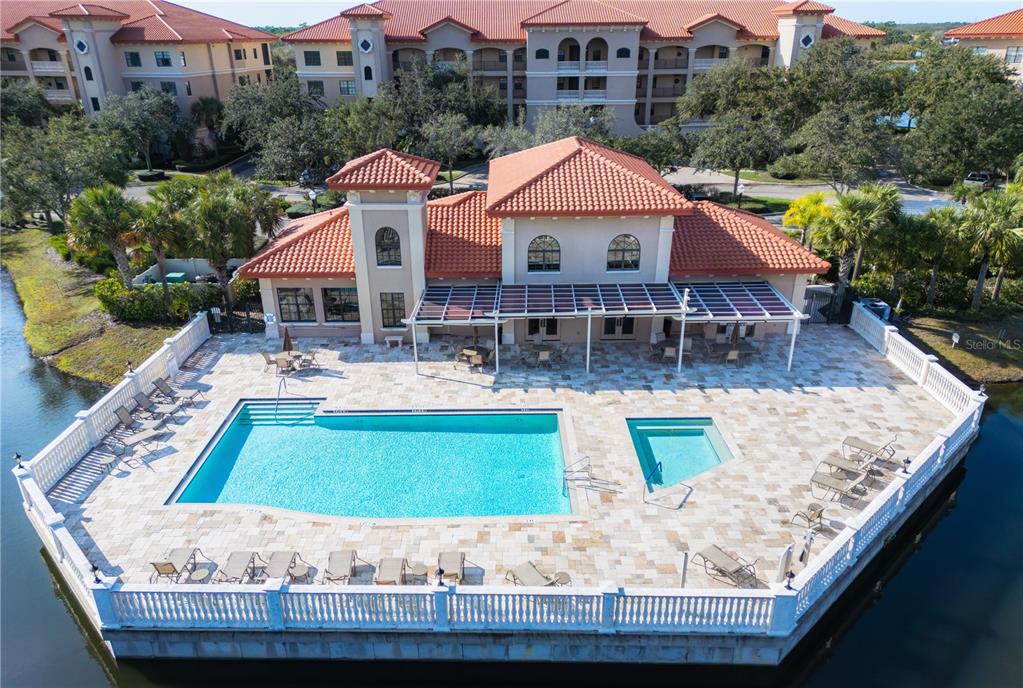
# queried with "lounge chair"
point(340, 567)
point(720, 565)
point(812, 514)
point(153, 408)
point(176, 396)
point(142, 438)
point(453, 566)
point(836, 488)
point(131, 423)
point(279, 564)
point(529, 574)
point(239, 566)
point(179, 561)
point(855, 447)
point(391, 571)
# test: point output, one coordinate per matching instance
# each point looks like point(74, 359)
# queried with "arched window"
point(388, 247)
point(88, 73)
point(623, 253)
point(544, 254)
point(543, 54)
point(367, 73)
point(623, 53)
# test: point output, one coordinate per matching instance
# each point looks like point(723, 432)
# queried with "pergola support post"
point(589, 329)
point(792, 344)
point(497, 349)
point(415, 344)
point(682, 330)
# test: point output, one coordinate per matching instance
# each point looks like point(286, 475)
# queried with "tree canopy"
point(144, 118)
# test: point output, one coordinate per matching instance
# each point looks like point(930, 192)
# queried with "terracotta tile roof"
point(87, 10)
point(386, 169)
point(462, 239)
point(8, 35)
point(142, 21)
point(365, 10)
point(802, 7)
point(503, 20)
point(1008, 25)
point(584, 13)
point(707, 18)
point(575, 177)
point(317, 245)
point(837, 26)
point(716, 240)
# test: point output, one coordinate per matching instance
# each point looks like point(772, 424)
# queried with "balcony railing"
point(676, 63)
point(59, 95)
point(704, 64)
point(518, 93)
point(595, 66)
point(669, 91)
point(48, 67)
point(595, 94)
point(568, 95)
point(519, 65)
point(568, 65)
point(489, 66)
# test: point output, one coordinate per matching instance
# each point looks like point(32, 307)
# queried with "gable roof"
point(317, 245)
point(462, 240)
point(384, 170)
point(141, 21)
point(367, 11)
point(802, 7)
point(708, 18)
point(576, 177)
point(717, 240)
point(584, 13)
point(1008, 25)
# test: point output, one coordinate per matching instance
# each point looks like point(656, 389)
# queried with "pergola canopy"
point(708, 302)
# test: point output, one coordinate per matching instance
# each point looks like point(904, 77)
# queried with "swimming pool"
point(672, 450)
point(384, 465)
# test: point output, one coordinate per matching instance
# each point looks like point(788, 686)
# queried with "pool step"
point(272, 414)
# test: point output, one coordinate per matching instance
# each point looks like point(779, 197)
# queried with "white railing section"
point(273, 606)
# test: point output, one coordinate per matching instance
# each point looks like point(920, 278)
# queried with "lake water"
point(949, 616)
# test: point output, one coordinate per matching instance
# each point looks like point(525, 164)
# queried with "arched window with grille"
point(388, 247)
point(88, 73)
point(543, 255)
point(623, 53)
point(367, 73)
point(623, 253)
point(543, 54)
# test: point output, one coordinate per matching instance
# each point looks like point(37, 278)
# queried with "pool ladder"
point(647, 489)
point(580, 474)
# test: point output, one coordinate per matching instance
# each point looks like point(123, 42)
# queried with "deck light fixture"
point(95, 574)
point(789, 575)
point(128, 366)
point(17, 459)
point(312, 198)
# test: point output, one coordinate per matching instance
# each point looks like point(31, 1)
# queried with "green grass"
point(765, 178)
point(980, 354)
point(454, 175)
point(63, 318)
point(761, 205)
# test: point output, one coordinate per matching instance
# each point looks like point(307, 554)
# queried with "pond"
point(949, 616)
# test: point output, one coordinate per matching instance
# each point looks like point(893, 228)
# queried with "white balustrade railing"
point(948, 389)
point(906, 357)
point(709, 611)
point(177, 606)
point(868, 326)
point(543, 609)
point(399, 607)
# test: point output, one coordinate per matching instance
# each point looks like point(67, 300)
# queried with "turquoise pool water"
point(672, 450)
point(385, 466)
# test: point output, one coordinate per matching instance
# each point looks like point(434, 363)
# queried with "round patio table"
point(299, 570)
point(199, 575)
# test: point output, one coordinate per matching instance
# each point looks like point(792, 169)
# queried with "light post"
point(312, 197)
point(741, 190)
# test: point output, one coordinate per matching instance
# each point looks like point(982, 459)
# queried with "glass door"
point(619, 328)
point(542, 329)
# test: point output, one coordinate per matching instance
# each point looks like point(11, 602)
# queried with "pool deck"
point(779, 424)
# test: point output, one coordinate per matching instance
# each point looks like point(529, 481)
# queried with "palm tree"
point(162, 223)
point(806, 213)
point(843, 231)
point(889, 207)
point(103, 217)
point(208, 112)
point(943, 235)
point(994, 222)
point(263, 208)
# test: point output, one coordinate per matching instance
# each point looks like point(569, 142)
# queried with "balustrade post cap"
point(169, 341)
point(274, 585)
point(609, 587)
point(131, 374)
point(931, 357)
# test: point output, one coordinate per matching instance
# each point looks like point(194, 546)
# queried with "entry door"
point(544, 328)
point(619, 328)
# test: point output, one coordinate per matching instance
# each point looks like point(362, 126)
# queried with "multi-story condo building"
point(1001, 37)
point(572, 241)
point(86, 51)
point(634, 57)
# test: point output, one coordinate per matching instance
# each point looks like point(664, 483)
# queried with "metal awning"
point(736, 301)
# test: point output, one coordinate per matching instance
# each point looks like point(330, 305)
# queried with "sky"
point(292, 13)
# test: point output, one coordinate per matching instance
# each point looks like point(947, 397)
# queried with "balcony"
point(59, 95)
point(595, 66)
point(568, 95)
point(48, 67)
point(518, 65)
point(518, 93)
point(676, 63)
point(568, 65)
point(489, 66)
point(668, 91)
point(703, 64)
point(595, 94)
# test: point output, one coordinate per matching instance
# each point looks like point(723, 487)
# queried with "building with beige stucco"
point(1000, 37)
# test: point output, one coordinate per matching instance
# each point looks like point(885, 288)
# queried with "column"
point(650, 53)
point(468, 60)
point(689, 66)
point(509, 77)
point(28, 65)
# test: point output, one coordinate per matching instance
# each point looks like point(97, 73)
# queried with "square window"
point(311, 58)
point(392, 309)
point(188, 88)
point(133, 59)
point(344, 58)
point(296, 305)
point(184, 60)
point(169, 87)
point(94, 101)
point(238, 54)
point(316, 88)
point(347, 87)
point(1014, 54)
point(341, 304)
point(163, 58)
point(137, 85)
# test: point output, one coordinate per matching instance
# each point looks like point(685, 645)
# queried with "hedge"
point(145, 303)
point(208, 164)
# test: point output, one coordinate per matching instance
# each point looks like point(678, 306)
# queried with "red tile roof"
point(802, 7)
point(317, 245)
point(721, 241)
point(575, 177)
point(143, 20)
point(584, 13)
point(1008, 25)
point(503, 20)
point(707, 18)
point(462, 240)
point(835, 27)
point(386, 169)
point(366, 11)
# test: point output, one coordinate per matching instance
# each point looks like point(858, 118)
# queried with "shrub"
point(245, 290)
point(226, 155)
point(145, 303)
point(873, 285)
point(325, 201)
point(59, 244)
point(101, 262)
point(785, 168)
point(151, 175)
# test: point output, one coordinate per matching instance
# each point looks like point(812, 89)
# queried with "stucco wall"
point(997, 48)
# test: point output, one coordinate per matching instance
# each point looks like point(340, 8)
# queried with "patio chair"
point(340, 567)
point(240, 565)
point(179, 561)
point(543, 358)
point(143, 438)
point(285, 365)
point(391, 571)
point(268, 361)
point(723, 566)
point(855, 447)
point(132, 423)
point(476, 361)
point(561, 355)
point(812, 514)
point(179, 396)
point(733, 357)
point(529, 574)
point(153, 408)
point(670, 354)
point(308, 360)
point(452, 566)
point(836, 488)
